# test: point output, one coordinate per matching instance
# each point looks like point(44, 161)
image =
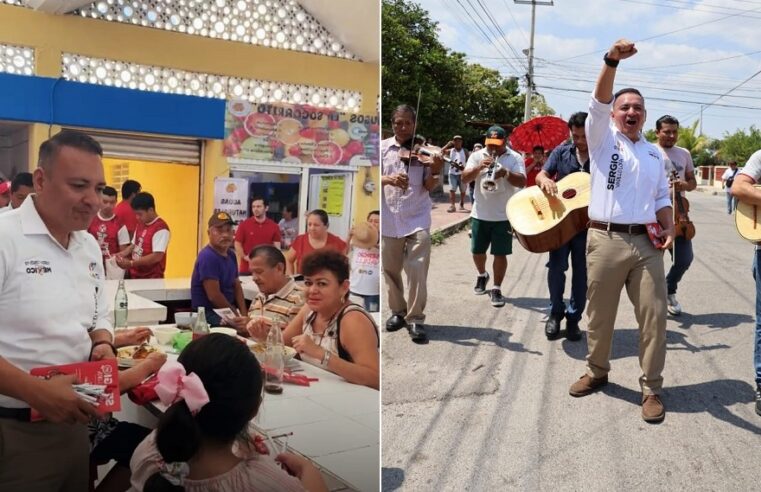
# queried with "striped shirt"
point(403, 212)
point(282, 306)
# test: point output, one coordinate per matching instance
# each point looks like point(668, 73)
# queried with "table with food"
point(314, 413)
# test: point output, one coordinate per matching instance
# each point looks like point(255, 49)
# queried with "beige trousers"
point(44, 457)
point(412, 254)
point(617, 260)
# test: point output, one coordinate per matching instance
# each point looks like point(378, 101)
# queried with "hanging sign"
point(332, 194)
point(300, 134)
point(231, 196)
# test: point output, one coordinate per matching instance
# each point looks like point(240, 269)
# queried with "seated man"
point(279, 298)
point(214, 283)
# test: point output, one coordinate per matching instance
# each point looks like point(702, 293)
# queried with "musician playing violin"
point(679, 160)
point(407, 178)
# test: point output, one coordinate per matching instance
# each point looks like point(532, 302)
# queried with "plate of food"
point(260, 350)
point(134, 354)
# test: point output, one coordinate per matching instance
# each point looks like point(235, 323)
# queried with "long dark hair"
point(233, 379)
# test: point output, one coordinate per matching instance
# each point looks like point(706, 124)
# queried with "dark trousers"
point(682, 256)
point(557, 266)
point(43, 457)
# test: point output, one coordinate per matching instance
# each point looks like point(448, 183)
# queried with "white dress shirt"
point(50, 297)
point(628, 182)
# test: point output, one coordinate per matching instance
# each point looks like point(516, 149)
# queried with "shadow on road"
point(626, 344)
point(713, 320)
point(391, 478)
point(538, 304)
point(471, 336)
point(713, 397)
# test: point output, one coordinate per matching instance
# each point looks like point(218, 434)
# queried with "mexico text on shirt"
point(50, 297)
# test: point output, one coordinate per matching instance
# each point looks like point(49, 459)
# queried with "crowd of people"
point(631, 224)
point(64, 234)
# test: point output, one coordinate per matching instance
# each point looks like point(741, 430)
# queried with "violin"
point(682, 223)
point(418, 152)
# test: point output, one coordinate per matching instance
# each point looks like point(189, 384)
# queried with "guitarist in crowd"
point(743, 190)
point(676, 159)
point(568, 158)
point(458, 156)
point(488, 218)
point(629, 193)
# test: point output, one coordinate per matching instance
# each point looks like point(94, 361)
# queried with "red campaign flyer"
point(99, 372)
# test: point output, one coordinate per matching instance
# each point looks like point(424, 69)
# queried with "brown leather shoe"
point(586, 385)
point(652, 409)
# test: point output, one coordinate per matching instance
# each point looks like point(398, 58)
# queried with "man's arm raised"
point(621, 50)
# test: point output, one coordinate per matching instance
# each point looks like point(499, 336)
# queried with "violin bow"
point(414, 129)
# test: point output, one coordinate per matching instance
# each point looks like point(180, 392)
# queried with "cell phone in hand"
point(653, 230)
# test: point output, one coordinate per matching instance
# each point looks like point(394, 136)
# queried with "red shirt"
point(251, 234)
point(106, 232)
point(302, 247)
point(143, 241)
point(124, 211)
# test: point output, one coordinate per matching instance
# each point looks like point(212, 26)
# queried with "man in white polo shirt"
point(54, 312)
point(629, 190)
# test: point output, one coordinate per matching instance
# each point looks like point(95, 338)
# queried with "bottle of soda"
point(120, 306)
point(274, 360)
point(201, 327)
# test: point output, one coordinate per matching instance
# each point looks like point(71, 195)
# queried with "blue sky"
point(694, 64)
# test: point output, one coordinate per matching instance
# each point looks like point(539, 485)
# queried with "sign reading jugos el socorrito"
point(300, 134)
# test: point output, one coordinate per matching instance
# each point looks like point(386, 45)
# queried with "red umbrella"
point(547, 131)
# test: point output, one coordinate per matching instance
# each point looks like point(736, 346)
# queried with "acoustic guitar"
point(748, 221)
point(544, 223)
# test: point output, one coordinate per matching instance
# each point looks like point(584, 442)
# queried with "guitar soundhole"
point(568, 194)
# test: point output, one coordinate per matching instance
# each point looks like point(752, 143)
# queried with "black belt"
point(625, 228)
point(22, 414)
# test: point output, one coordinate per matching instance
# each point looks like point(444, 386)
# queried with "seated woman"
point(202, 441)
point(330, 331)
point(316, 238)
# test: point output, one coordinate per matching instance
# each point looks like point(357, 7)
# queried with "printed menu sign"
point(300, 134)
point(231, 196)
point(332, 194)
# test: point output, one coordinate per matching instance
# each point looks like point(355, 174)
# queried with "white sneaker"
point(674, 307)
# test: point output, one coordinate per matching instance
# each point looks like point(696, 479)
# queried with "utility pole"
point(701, 119)
point(530, 74)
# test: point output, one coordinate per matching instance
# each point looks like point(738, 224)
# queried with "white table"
point(143, 296)
point(335, 424)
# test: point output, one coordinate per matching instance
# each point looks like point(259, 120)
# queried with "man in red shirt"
point(255, 231)
point(107, 228)
point(149, 244)
point(124, 211)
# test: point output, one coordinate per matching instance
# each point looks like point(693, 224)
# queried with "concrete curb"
point(709, 190)
point(452, 228)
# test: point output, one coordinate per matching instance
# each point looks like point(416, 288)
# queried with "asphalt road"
point(485, 405)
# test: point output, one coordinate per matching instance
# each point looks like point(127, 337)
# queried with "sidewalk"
point(448, 222)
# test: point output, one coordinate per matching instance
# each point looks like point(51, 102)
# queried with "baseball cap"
point(5, 187)
point(220, 219)
point(457, 137)
point(495, 135)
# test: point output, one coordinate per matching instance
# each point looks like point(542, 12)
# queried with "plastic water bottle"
point(201, 327)
point(120, 306)
point(274, 360)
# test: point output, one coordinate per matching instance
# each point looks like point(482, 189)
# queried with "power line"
point(693, 9)
point(486, 37)
point(659, 98)
point(668, 33)
point(713, 103)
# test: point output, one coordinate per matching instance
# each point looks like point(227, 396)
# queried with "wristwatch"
point(609, 61)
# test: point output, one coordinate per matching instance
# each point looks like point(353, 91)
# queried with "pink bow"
point(175, 385)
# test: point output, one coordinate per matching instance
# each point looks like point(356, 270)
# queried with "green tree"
point(414, 60)
point(690, 140)
point(739, 146)
point(453, 92)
